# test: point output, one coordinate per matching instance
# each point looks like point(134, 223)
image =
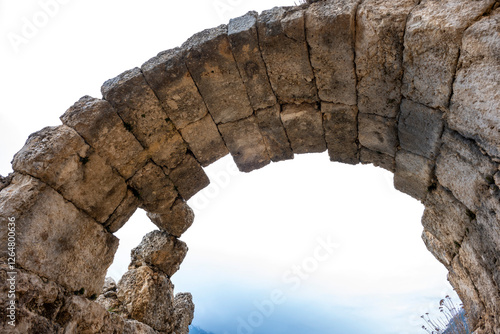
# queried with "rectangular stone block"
point(330, 30)
point(101, 127)
point(304, 127)
point(378, 133)
point(205, 141)
point(172, 83)
point(341, 132)
point(188, 177)
point(242, 33)
point(380, 27)
point(413, 174)
point(246, 144)
point(123, 212)
point(212, 65)
point(282, 41)
point(60, 157)
point(420, 129)
point(432, 44)
point(378, 159)
point(273, 132)
point(53, 237)
point(475, 102)
point(143, 115)
point(176, 220)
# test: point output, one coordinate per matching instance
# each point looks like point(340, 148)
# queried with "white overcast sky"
point(250, 229)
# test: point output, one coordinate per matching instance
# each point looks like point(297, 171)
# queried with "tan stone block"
point(205, 141)
point(378, 159)
point(242, 33)
point(245, 143)
point(101, 127)
point(436, 247)
point(183, 313)
point(380, 26)
point(304, 127)
point(143, 115)
point(172, 83)
point(136, 327)
point(176, 220)
point(341, 132)
point(273, 132)
point(330, 30)
point(432, 45)
point(53, 236)
point(282, 41)
point(413, 174)
point(189, 177)
point(60, 157)
point(123, 212)
point(378, 133)
point(212, 65)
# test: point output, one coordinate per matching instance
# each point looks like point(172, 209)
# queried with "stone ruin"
point(410, 86)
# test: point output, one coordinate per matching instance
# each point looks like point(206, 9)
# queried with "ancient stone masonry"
point(411, 86)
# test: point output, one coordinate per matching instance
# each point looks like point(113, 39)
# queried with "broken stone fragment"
point(282, 41)
point(273, 132)
point(183, 312)
point(176, 220)
point(304, 127)
point(413, 174)
point(161, 251)
point(212, 65)
point(341, 132)
point(378, 159)
point(188, 177)
point(245, 143)
point(378, 133)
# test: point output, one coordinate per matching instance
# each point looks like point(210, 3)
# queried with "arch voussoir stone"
point(407, 85)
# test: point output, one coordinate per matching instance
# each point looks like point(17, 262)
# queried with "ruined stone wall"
point(411, 86)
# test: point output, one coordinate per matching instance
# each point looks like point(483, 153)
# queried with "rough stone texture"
point(432, 45)
point(341, 132)
point(273, 132)
point(378, 159)
point(183, 313)
point(380, 27)
point(5, 180)
point(159, 250)
point(413, 174)
point(205, 141)
point(242, 33)
point(330, 36)
point(419, 129)
point(123, 212)
point(476, 98)
point(245, 143)
point(101, 127)
point(59, 157)
point(136, 327)
point(212, 65)
point(284, 49)
point(188, 177)
point(143, 115)
point(172, 83)
point(304, 127)
point(378, 133)
point(176, 220)
point(54, 237)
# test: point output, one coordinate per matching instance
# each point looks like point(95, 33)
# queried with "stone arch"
point(407, 85)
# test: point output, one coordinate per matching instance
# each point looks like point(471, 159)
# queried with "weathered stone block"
point(304, 127)
point(378, 133)
point(378, 159)
point(283, 45)
point(143, 115)
point(245, 143)
point(380, 27)
point(205, 141)
point(160, 250)
point(136, 327)
point(463, 169)
point(189, 177)
point(183, 313)
point(341, 132)
point(176, 220)
point(101, 127)
point(330, 36)
point(147, 296)
point(59, 157)
point(420, 129)
point(172, 83)
point(28, 322)
point(123, 212)
point(432, 44)
point(413, 174)
point(154, 189)
point(212, 65)
point(436, 247)
point(273, 132)
point(242, 33)
point(476, 101)
point(53, 236)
